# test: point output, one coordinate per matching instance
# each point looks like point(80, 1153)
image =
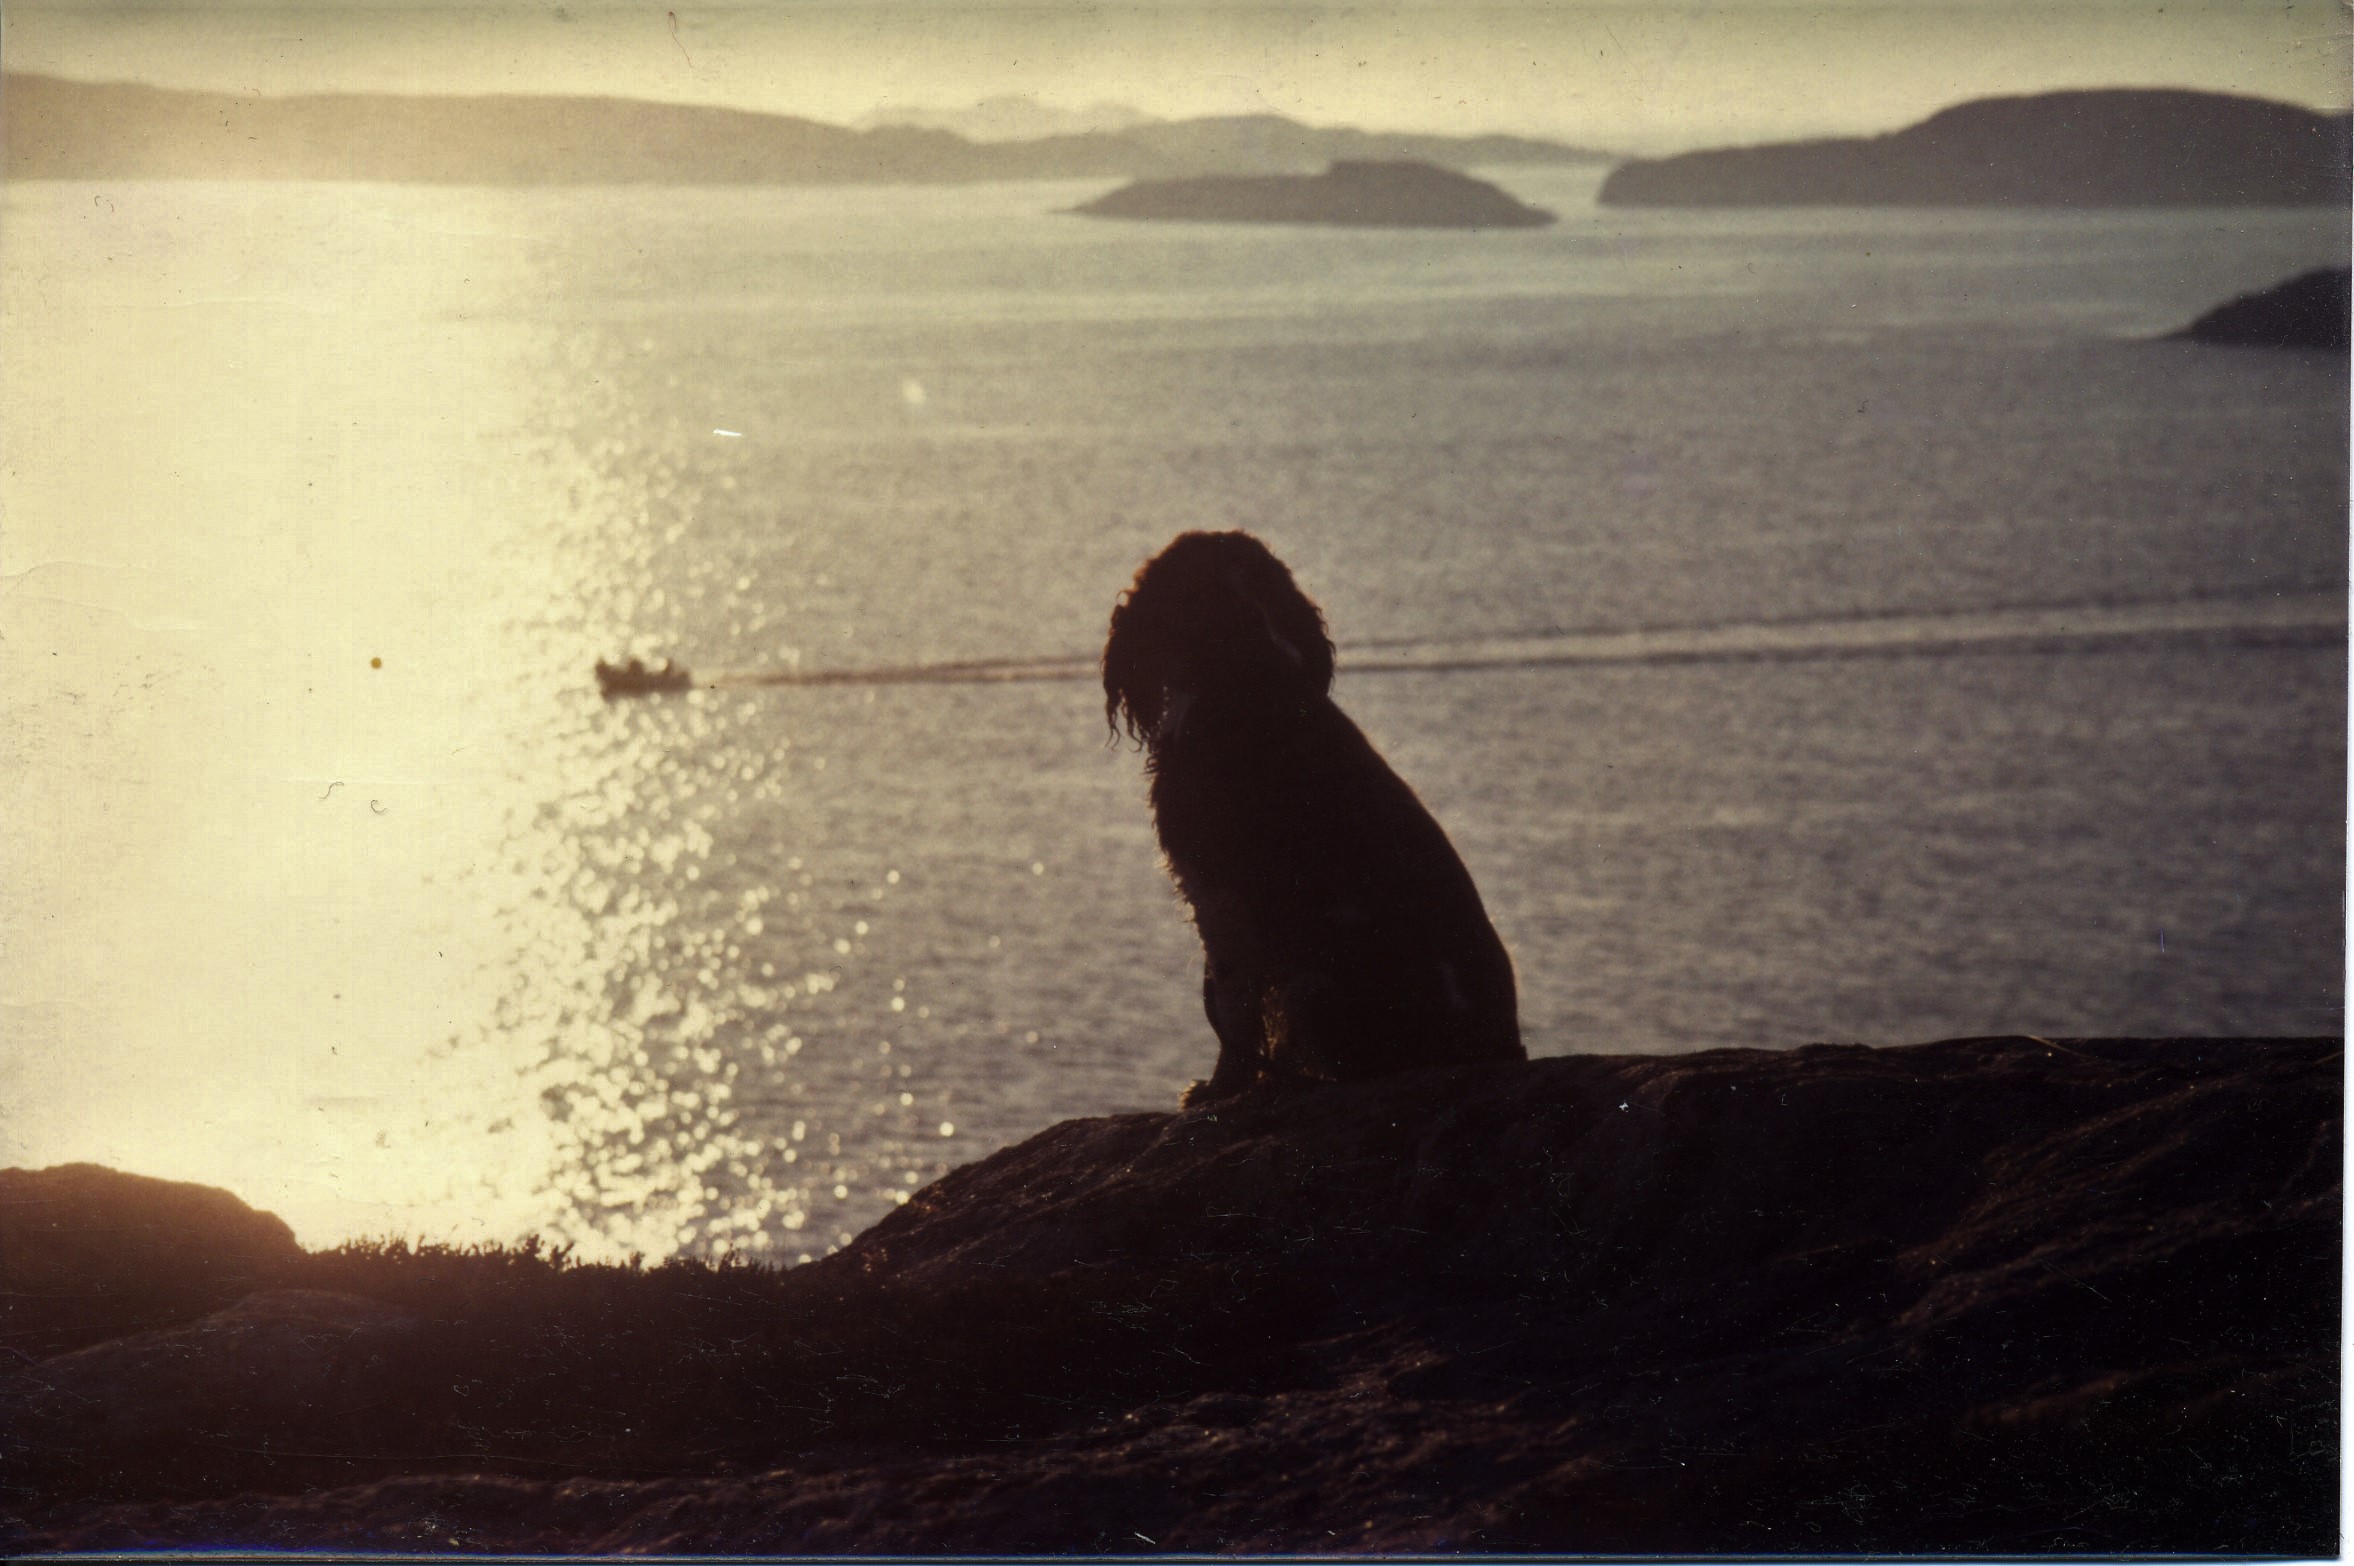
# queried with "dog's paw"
point(1197, 1094)
point(1204, 1093)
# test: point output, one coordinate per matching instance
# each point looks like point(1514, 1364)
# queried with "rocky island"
point(2310, 310)
point(1351, 194)
point(1988, 1296)
point(2122, 147)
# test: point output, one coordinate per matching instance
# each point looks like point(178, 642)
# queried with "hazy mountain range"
point(1013, 117)
point(59, 129)
point(2117, 147)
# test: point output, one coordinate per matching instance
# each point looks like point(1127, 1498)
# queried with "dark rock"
point(2124, 147)
point(88, 1254)
point(1349, 194)
point(1987, 1296)
point(2308, 311)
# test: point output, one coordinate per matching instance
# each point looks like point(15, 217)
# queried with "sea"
point(1809, 625)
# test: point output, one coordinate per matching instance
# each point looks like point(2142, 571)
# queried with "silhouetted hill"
point(2307, 311)
point(1352, 195)
point(72, 130)
point(1984, 1297)
point(2124, 147)
point(58, 129)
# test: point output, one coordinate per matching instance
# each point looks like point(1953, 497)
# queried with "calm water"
point(331, 878)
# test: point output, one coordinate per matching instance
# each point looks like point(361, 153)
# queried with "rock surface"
point(1349, 194)
point(1996, 1295)
point(2307, 311)
point(2114, 148)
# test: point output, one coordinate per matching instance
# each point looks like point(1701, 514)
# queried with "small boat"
point(636, 678)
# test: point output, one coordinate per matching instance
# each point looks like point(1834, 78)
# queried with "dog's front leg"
point(1234, 1012)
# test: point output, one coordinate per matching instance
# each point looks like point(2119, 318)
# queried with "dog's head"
point(1212, 613)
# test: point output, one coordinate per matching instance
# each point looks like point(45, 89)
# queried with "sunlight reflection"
point(673, 980)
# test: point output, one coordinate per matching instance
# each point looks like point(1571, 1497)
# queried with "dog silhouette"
point(1342, 936)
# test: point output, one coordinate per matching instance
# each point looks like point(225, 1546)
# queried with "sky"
point(1626, 76)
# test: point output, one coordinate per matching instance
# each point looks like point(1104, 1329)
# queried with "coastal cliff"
point(1993, 1295)
point(2120, 147)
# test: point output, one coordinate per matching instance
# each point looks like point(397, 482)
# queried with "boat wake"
point(2307, 619)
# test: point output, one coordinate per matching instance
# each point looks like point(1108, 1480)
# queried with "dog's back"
point(1328, 896)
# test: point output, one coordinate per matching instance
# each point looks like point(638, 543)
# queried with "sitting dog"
point(1342, 936)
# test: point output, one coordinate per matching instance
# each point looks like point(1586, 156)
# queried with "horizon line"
point(1618, 149)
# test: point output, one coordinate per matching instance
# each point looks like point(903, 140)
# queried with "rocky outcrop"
point(2124, 147)
point(88, 1254)
point(1996, 1295)
point(2307, 311)
point(1349, 195)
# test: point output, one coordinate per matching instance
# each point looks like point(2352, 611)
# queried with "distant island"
point(1350, 194)
point(53, 128)
point(2124, 147)
point(2308, 311)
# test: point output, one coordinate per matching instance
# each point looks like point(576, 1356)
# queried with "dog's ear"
point(1294, 625)
point(1132, 692)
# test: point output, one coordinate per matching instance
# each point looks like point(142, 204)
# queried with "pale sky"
point(1633, 77)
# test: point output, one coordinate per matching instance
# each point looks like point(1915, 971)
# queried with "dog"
point(1342, 937)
